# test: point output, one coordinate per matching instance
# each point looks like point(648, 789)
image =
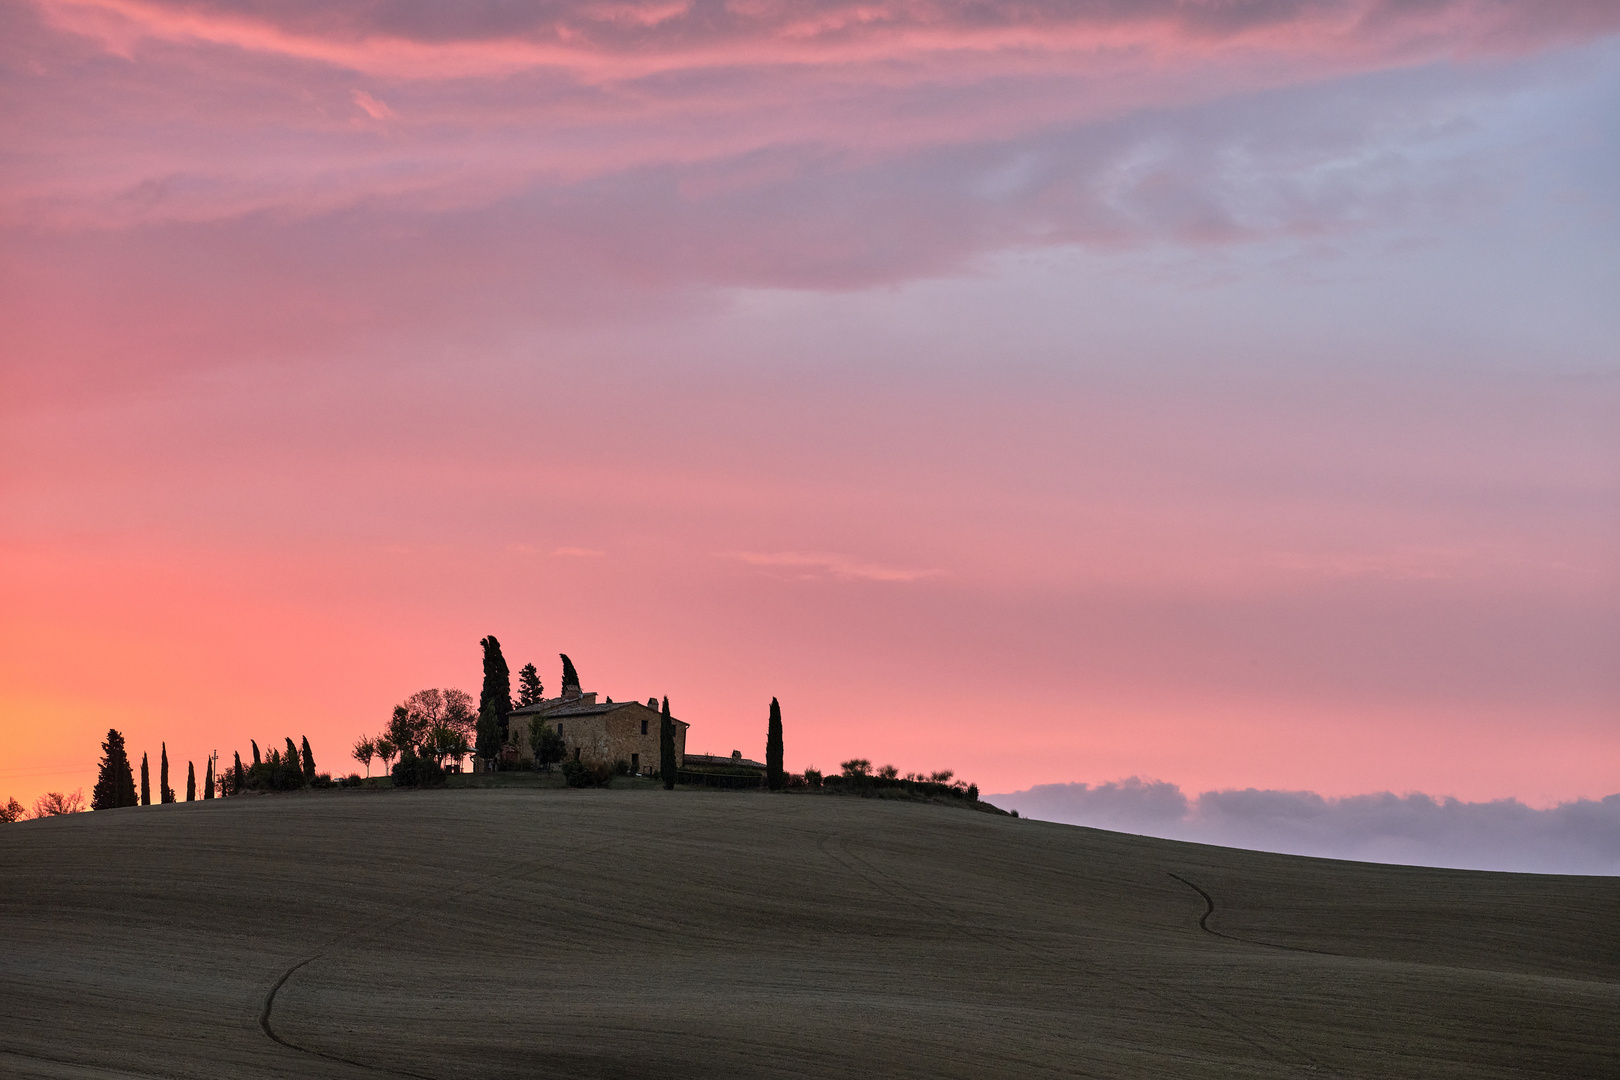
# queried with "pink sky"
point(1218, 392)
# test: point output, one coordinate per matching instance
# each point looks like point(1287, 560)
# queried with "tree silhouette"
point(53, 803)
point(208, 781)
point(387, 750)
point(529, 689)
point(309, 763)
point(364, 750)
point(495, 701)
point(115, 780)
point(165, 792)
point(146, 783)
point(12, 811)
point(773, 749)
point(191, 781)
point(666, 747)
point(290, 761)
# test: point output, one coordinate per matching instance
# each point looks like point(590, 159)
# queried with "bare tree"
point(13, 811)
point(54, 802)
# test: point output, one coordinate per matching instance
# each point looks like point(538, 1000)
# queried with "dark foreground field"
point(644, 934)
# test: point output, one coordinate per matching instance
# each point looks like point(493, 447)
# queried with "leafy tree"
point(666, 748)
point(548, 746)
point(403, 729)
point(12, 811)
point(146, 783)
point(208, 781)
point(365, 748)
point(165, 792)
point(943, 776)
point(191, 781)
point(495, 701)
point(857, 767)
point(387, 749)
point(460, 712)
point(54, 802)
point(115, 781)
point(529, 689)
point(888, 772)
point(309, 763)
point(444, 741)
point(255, 751)
point(773, 749)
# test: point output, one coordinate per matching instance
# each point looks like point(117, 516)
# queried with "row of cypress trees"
point(115, 778)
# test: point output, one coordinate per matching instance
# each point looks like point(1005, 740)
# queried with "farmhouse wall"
point(626, 732)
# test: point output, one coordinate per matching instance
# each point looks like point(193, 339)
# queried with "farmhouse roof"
point(563, 708)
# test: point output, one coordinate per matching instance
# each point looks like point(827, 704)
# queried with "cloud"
point(577, 553)
point(1579, 837)
point(628, 39)
point(372, 107)
point(836, 566)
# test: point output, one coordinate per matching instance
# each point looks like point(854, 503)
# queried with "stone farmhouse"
point(597, 733)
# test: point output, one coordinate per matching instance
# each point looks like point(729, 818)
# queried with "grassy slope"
point(526, 932)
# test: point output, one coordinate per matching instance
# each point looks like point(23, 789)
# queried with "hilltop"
point(639, 933)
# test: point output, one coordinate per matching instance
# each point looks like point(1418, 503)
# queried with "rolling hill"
point(538, 933)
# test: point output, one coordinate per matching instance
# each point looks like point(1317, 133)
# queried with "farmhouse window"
point(644, 727)
point(559, 727)
point(635, 761)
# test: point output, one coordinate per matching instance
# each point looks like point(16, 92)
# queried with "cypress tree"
point(165, 792)
point(495, 701)
point(666, 748)
point(309, 763)
point(570, 677)
point(115, 780)
point(191, 781)
point(208, 781)
point(240, 776)
point(255, 750)
point(773, 749)
point(292, 760)
point(146, 783)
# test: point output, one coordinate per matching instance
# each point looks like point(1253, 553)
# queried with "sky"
point(1219, 393)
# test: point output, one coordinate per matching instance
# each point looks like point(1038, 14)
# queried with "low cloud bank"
point(1581, 837)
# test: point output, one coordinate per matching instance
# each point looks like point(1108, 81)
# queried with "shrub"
point(812, 777)
point(888, 772)
point(578, 774)
point(415, 771)
point(857, 767)
point(973, 793)
point(621, 768)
